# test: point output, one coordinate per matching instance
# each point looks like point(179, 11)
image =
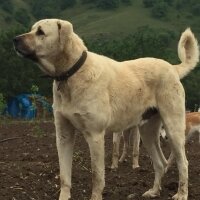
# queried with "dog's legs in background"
point(170, 161)
point(65, 137)
point(150, 134)
point(136, 146)
point(96, 146)
point(126, 141)
point(134, 132)
point(115, 153)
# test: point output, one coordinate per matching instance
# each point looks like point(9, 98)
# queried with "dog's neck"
point(65, 58)
point(70, 55)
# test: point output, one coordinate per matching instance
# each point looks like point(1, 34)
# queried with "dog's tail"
point(188, 52)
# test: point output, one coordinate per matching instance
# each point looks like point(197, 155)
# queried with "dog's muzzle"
point(22, 49)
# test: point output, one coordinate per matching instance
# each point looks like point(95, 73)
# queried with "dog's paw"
point(65, 194)
point(122, 159)
point(114, 167)
point(96, 197)
point(180, 197)
point(135, 166)
point(151, 194)
point(64, 197)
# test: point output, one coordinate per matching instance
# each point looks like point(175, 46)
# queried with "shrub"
point(67, 3)
point(2, 103)
point(169, 2)
point(105, 4)
point(6, 5)
point(128, 2)
point(196, 9)
point(149, 3)
point(160, 10)
point(22, 16)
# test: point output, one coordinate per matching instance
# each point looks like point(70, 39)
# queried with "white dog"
point(192, 127)
point(96, 94)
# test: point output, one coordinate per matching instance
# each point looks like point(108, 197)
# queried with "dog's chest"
point(84, 115)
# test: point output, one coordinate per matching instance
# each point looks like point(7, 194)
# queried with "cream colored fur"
point(110, 96)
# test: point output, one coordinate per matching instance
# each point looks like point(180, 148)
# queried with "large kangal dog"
point(95, 94)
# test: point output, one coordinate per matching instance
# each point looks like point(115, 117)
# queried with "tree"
point(44, 9)
point(128, 2)
point(67, 3)
point(6, 5)
point(149, 3)
point(196, 9)
point(88, 1)
point(169, 2)
point(179, 4)
point(105, 4)
point(160, 9)
point(191, 87)
point(22, 16)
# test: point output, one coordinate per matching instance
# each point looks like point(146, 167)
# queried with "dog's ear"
point(65, 29)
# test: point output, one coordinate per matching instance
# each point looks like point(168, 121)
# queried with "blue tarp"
point(21, 106)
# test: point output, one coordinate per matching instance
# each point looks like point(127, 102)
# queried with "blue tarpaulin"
point(21, 106)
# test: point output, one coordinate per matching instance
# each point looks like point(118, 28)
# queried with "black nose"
point(16, 40)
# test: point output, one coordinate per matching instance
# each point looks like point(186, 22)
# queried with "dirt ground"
point(29, 167)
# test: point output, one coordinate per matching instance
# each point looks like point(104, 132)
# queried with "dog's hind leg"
point(96, 146)
point(177, 141)
point(115, 153)
point(173, 116)
point(65, 137)
point(150, 135)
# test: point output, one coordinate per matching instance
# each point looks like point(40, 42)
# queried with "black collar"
point(66, 75)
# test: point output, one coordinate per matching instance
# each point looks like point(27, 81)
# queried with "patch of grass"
point(36, 128)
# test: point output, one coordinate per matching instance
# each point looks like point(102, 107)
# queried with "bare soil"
point(29, 167)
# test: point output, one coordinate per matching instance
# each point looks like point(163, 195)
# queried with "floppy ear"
point(65, 29)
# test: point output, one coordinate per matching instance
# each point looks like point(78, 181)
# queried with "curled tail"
point(188, 52)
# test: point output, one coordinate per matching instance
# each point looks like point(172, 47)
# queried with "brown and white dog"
point(95, 94)
point(192, 127)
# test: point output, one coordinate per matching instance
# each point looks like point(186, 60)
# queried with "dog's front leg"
point(65, 137)
point(96, 145)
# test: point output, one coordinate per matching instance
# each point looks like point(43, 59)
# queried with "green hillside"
point(89, 20)
point(126, 19)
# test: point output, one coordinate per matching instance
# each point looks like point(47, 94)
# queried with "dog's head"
point(44, 42)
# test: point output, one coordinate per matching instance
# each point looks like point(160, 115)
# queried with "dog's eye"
point(40, 32)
